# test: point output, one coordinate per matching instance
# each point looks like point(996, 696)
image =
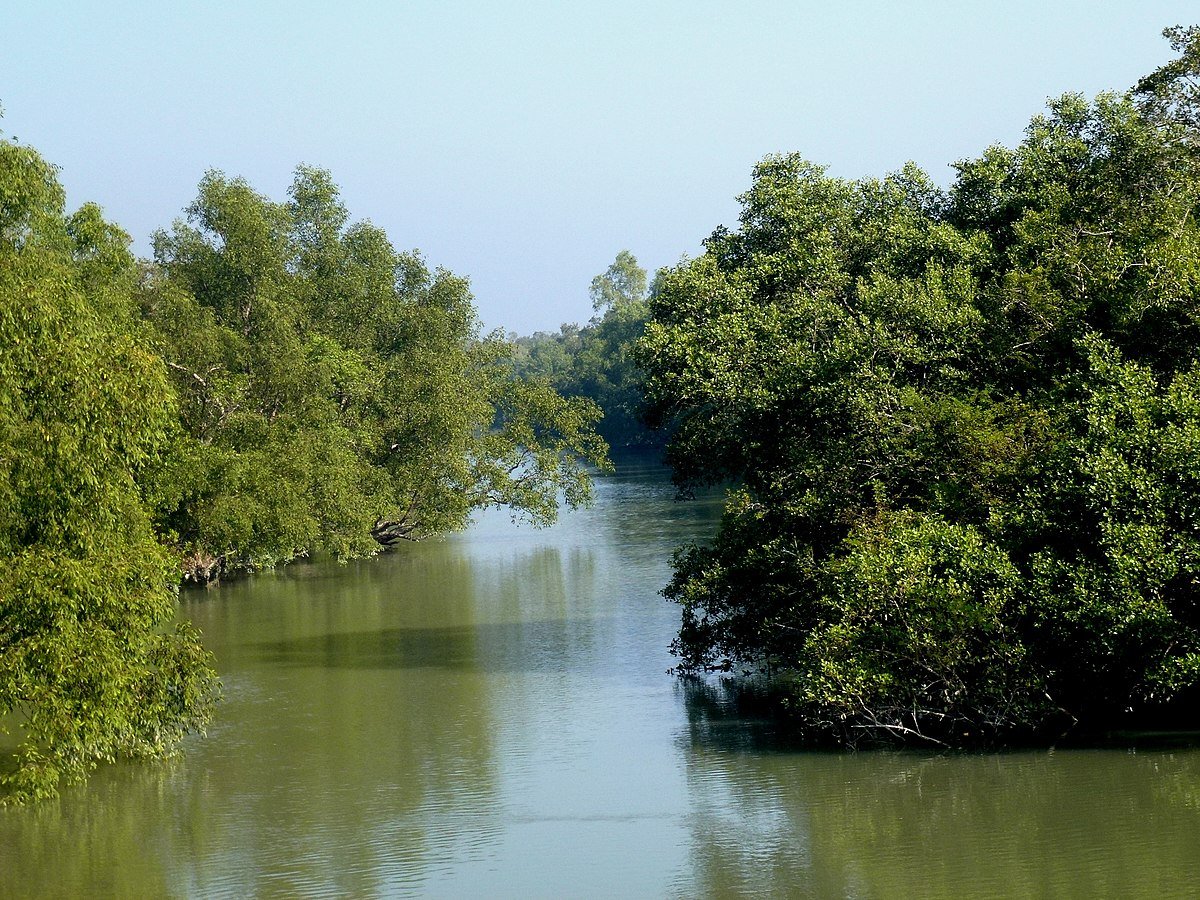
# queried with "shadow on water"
point(742, 715)
point(534, 646)
point(1064, 822)
point(732, 716)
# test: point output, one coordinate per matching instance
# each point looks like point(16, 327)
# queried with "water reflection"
point(489, 648)
point(365, 714)
point(772, 821)
point(488, 715)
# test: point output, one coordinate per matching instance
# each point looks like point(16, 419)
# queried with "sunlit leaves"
point(336, 393)
point(89, 668)
point(964, 425)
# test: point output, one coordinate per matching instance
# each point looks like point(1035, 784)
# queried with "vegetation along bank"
point(962, 425)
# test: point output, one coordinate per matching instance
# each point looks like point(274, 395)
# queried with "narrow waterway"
point(488, 715)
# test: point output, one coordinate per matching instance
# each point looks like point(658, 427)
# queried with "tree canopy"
point(596, 361)
point(276, 382)
point(90, 663)
point(962, 424)
point(336, 393)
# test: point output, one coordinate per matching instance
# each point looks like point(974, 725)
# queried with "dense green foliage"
point(964, 425)
point(596, 361)
point(275, 383)
point(90, 664)
point(336, 394)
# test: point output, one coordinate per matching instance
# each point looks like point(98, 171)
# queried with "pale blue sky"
point(524, 144)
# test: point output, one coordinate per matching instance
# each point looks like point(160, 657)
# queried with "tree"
point(337, 394)
point(596, 362)
point(961, 425)
point(622, 284)
point(90, 664)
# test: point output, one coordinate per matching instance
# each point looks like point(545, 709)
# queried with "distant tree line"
point(596, 361)
point(964, 429)
point(276, 382)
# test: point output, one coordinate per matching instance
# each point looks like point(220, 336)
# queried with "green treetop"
point(963, 427)
point(597, 361)
point(337, 394)
point(90, 666)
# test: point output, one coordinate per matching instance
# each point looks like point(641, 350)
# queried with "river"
point(489, 715)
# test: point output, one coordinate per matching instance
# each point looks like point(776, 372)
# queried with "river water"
point(488, 715)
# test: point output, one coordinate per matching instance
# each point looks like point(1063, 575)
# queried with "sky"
point(523, 144)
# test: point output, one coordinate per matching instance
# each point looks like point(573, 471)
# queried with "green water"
point(488, 716)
